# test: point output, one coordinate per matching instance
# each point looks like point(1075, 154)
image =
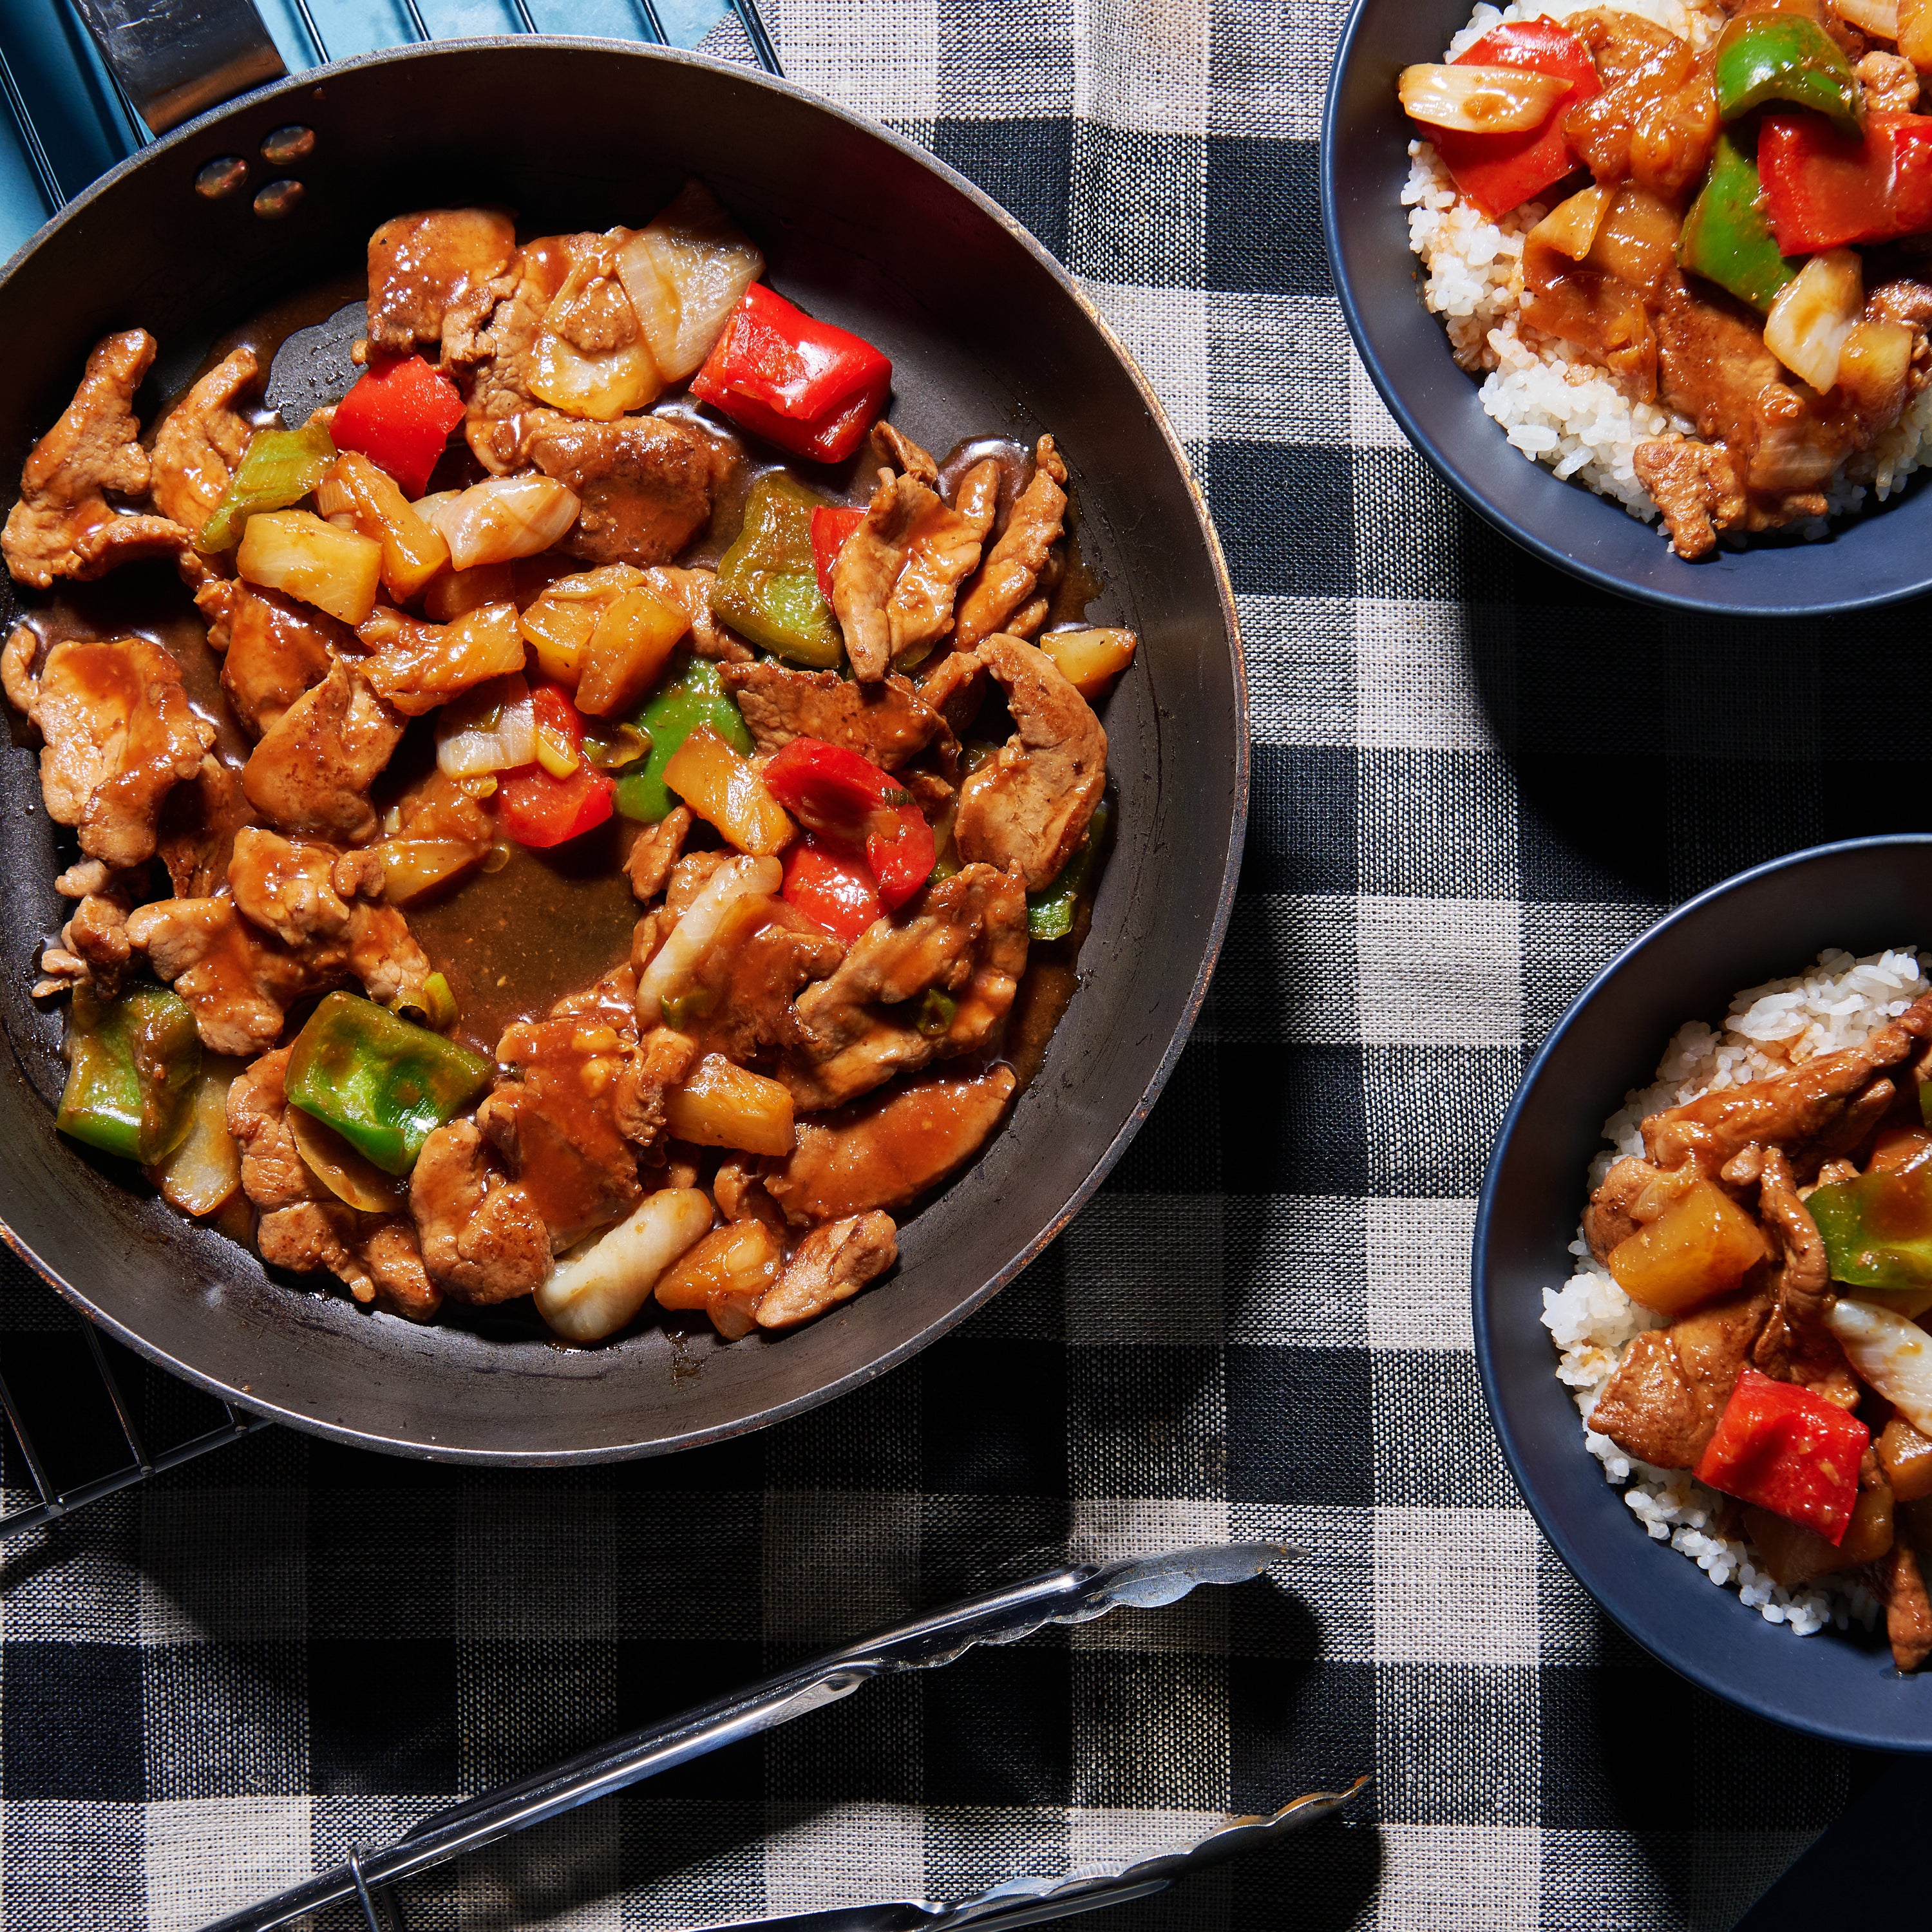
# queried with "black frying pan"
point(989, 336)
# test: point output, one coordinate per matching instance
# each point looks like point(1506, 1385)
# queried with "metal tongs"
point(1073, 1595)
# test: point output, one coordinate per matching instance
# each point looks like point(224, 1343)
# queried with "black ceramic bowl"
point(1872, 559)
point(1862, 896)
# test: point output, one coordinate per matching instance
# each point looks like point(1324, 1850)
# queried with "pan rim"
point(893, 1357)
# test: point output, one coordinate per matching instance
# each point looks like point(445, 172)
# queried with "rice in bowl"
point(1769, 1030)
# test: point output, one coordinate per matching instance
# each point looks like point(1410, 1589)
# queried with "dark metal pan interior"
point(989, 337)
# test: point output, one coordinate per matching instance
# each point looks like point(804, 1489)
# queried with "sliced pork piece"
point(752, 975)
point(1027, 807)
point(894, 581)
point(310, 896)
point(831, 1265)
point(655, 850)
point(645, 483)
point(276, 649)
point(1908, 1608)
point(120, 736)
point(93, 948)
point(966, 946)
point(1696, 486)
point(552, 1116)
point(955, 686)
point(416, 667)
point(311, 774)
point(197, 448)
point(893, 446)
point(199, 824)
point(384, 954)
point(885, 1152)
point(287, 888)
point(239, 982)
point(888, 722)
point(483, 1240)
point(1608, 1220)
point(505, 352)
point(1662, 1404)
point(1786, 1111)
point(1012, 571)
point(1890, 84)
point(435, 277)
point(1796, 1345)
point(63, 525)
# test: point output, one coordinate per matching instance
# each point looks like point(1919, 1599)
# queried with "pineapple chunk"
point(635, 637)
point(294, 550)
point(1702, 1245)
point(413, 552)
point(729, 792)
point(604, 633)
point(722, 1104)
point(726, 1275)
point(456, 592)
point(1089, 661)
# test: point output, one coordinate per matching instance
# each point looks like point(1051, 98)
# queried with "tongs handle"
point(173, 58)
point(1072, 1595)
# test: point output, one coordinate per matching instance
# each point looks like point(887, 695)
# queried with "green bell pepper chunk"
point(1050, 911)
point(383, 1083)
point(695, 696)
point(1765, 57)
point(1877, 1229)
point(132, 1066)
point(1727, 237)
point(279, 467)
point(767, 585)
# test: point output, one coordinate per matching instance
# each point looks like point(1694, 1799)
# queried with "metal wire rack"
point(93, 1399)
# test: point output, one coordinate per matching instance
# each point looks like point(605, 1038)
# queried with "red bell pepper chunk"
point(537, 808)
point(1826, 190)
point(1501, 171)
point(851, 802)
point(1789, 1451)
point(830, 528)
point(399, 415)
point(833, 889)
point(810, 389)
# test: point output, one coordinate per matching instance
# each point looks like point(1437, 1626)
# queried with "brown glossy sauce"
point(512, 944)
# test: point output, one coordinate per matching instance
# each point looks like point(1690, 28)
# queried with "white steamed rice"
point(1769, 1029)
point(1553, 404)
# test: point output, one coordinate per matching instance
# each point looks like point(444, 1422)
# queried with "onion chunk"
point(502, 518)
point(1480, 100)
point(1891, 1353)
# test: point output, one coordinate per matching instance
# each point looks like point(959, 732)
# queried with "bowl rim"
point(1575, 1556)
point(1363, 333)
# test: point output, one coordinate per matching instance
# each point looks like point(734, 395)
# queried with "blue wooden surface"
point(86, 132)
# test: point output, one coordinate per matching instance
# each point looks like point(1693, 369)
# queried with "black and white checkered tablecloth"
point(1473, 782)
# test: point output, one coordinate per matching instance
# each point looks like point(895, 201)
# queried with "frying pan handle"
point(175, 57)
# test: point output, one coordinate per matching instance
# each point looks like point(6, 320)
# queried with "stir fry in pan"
point(562, 609)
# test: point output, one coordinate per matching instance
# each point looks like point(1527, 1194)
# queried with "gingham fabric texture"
point(1474, 781)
